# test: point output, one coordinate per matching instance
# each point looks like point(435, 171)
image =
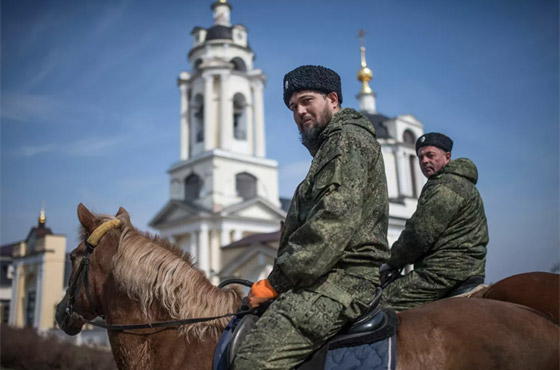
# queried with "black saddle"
point(374, 324)
point(465, 287)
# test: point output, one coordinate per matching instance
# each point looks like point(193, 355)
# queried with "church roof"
point(219, 32)
point(186, 208)
point(377, 120)
point(268, 239)
point(39, 231)
point(6, 250)
point(235, 208)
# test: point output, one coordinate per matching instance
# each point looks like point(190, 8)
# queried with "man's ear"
point(333, 98)
point(448, 156)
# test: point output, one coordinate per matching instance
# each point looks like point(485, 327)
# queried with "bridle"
point(90, 243)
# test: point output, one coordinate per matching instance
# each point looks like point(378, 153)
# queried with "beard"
point(311, 136)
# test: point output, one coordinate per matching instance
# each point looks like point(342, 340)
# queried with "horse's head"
point(91, 267)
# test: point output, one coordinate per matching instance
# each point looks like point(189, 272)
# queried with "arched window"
point(193, 184)
point(409, 137)
point(239, 117)
point(197, 64)
point(239, 64)
point(198, 118)
point(246, 185)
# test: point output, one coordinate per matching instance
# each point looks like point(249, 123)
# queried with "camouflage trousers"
point(292, 328)
point(415, 288)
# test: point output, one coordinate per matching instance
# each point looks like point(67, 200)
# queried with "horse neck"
point(175, 284)
point(155, 348)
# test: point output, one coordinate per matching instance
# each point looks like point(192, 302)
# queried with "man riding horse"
point(335, 235)
point(446, 237)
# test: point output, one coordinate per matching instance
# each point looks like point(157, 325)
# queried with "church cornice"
point(219, 153)
point(410, 119)
point(255, 76)
point(218, 42)
point(191, 210)
point(230, 210)
point(32, 256)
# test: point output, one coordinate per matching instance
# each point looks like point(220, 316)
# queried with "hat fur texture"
point(309, 77)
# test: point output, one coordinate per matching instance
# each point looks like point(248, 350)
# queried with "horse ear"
point(123, 215)
point(87, 219)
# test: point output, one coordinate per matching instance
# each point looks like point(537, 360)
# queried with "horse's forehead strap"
point(101, 230)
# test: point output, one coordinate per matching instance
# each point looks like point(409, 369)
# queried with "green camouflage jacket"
point(448, 233)
point(335, 235)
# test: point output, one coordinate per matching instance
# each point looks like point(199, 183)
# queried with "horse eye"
point(72, 256)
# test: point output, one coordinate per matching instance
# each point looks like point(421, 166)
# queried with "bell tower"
point(222, 159)
point(222, 96)
point(222, 115)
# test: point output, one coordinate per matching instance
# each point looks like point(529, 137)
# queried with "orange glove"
point(260, 292)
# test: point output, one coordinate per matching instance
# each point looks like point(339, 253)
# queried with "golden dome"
point(42, 217)
point(365, 74)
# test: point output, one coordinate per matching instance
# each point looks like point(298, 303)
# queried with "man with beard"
point(335, 234)
point(446, 237)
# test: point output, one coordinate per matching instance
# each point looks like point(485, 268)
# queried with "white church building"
point(224, 207)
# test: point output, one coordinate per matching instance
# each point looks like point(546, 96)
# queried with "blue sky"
point(90, 106)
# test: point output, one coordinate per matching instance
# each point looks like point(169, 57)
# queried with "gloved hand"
point(387, 274)
point(261, 292)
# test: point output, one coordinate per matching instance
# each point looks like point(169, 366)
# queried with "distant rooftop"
point(269, 239)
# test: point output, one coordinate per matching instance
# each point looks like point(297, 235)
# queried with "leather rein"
point(82, 272)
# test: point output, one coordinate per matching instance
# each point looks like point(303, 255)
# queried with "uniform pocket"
point(317, 317)
point(328, 175)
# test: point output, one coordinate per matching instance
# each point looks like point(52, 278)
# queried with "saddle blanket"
point(354, 355)
point(380, 355)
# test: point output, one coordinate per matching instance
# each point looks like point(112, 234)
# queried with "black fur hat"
point(311, 78)
point(435, 139)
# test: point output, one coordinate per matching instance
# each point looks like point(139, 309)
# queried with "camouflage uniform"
point(333, 241)
point(445, 238)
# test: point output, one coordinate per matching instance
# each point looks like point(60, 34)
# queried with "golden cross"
point(361, 34)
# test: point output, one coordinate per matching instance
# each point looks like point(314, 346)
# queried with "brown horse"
point(135, 278)
point(538, 290)
point(130, 277)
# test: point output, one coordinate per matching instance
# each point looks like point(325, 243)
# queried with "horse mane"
point(160, 276)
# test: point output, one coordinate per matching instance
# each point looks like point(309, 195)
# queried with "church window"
point(30, 309)
point(409, 138)
point(5, 305)
point(246, 185)
point(193, 184)
point(239, 64)
point(239, 117)
point(197, 64)
point(198, 118)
